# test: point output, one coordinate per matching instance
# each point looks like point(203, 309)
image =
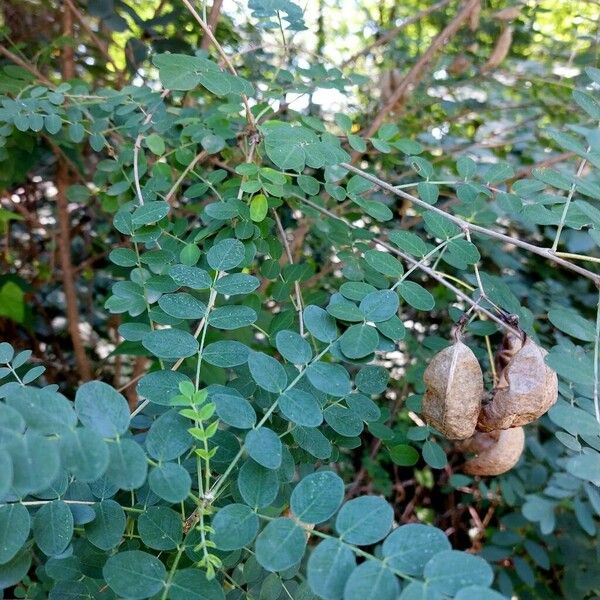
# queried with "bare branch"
point(413, 261)
point(25, 65)
point(544, 252)
point(388, 36)
point(213, 19)
point(417, 72)
point(288, 251)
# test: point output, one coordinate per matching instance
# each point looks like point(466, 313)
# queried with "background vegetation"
point(195, 201)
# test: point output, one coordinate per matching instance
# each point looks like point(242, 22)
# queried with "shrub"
point(234, 467)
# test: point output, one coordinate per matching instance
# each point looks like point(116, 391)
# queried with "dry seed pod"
point(452, 400)
point(495, 452)
point(459, 65)
point(510, 13)
point(500, 51)
point(474, 17)
point(526, 389)
point(390, 80)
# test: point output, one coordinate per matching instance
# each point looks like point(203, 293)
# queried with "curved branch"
point(414, 262)
point(417, 72)
point(465, 225)
point(388, 36)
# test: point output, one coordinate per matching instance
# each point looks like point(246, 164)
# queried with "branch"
point(288, 251)
point(200, 157)
point(68, 275)
point(25, 65)
point(392, 33)
point(417, 72)
point(563, 216)
point(208, 32)
point(465, 225)
point(97, 41)
point(136, 150)
point(68, 54)
point(413, 261)
point(213, 19)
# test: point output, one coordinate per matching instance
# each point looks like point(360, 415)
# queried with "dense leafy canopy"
point(262, 240)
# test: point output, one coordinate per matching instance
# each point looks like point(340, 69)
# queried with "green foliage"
point(277, 434)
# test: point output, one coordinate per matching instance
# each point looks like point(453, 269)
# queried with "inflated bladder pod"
point(526, 388)
point(454, 389)
point(496, 452)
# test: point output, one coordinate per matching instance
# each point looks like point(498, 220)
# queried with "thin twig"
point(208, 32)
point(201, 156)
point(25, 65)
point(574, 256)
point(417, 72)
point(136, 149)
point(97, 41)
point(482, 291)
point(288, 251)
point(563, 217)
point(544, 252)
point(596, 391)
point(388, 36)
point(409, 259)
point(213, 18)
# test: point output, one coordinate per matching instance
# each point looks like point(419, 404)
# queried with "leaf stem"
point(176, 560)
point(221, 481)
point(596, 392)
point(290, 257)
point(425, 259)
point(546, 253)
point(563, 217)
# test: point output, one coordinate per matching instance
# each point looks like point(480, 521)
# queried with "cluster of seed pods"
point(493, 431)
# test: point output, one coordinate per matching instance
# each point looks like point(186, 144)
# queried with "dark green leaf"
point(449, 571)
point(409, 547)
point(101, 408)
point(280, 545)
point(364, 520)
point(264, 446)
point(301, 408)
point(106, 530)
point(160, 528)
point(192, 584)
point(267, 372)
point(134, 574)
point(329, 378)
point(371, 580)
point(258, 486)
point(170, 343)
point(226, 255)
point(329, 567)
point(293, 347)
point(235, 526)
point(170, 481)
point(14, 530)
point(379, 306)
point(53, 527)
point(317, 497)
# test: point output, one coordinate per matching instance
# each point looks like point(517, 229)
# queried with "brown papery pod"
point(452, 400)
point(474, 17)
point(510, 13)
point(495, 452)
point(500, 51)
point(459, 65)
point(526, 389)
point(389, 82)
